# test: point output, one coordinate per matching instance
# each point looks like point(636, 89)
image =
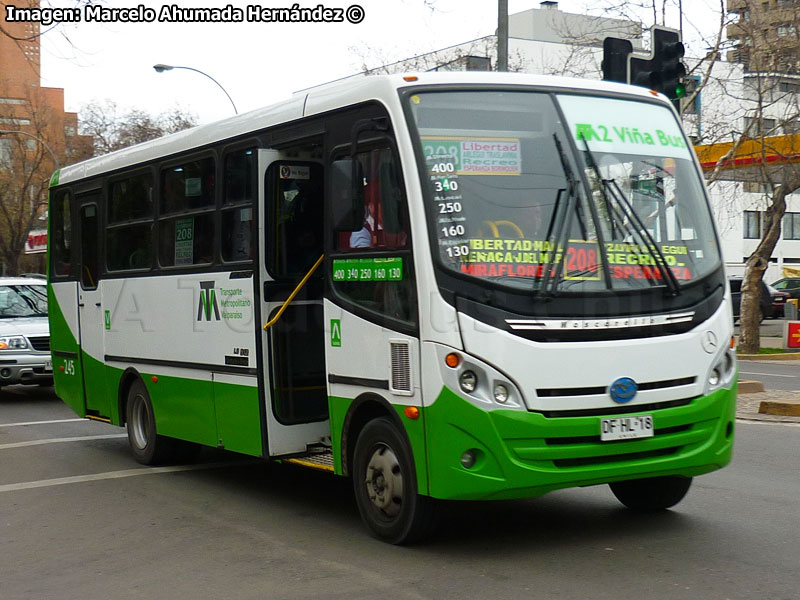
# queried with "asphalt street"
point(81, 519)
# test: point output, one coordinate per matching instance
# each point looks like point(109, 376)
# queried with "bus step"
point(323, 461)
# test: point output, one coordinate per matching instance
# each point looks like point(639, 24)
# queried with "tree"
point(758, 169)
point(113, 129)
point(34, 142)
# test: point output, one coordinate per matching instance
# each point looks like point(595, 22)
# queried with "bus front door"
point(290, 228)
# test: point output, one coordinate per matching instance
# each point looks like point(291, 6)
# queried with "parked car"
point(779, 299)
point(765, 298)
point(24, 332)
point(790, 285)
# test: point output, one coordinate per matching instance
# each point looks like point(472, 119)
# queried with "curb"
point(785, 356)
point(751, 387)
point(783, 408)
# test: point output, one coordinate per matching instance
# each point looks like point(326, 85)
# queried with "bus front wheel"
point(657, 493)
point(385, 486)
point(148, 447)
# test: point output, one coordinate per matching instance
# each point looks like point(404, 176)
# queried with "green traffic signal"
point(680, 91)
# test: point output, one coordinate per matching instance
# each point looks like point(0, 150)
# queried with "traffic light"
point(668, 52)
point(615, 59)
point(663, 70)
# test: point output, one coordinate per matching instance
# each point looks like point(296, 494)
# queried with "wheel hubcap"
point(384, 481)
point(139, 422)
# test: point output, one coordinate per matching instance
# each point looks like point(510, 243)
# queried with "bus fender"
point(364, 408)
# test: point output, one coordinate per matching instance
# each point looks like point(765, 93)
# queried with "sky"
point(260, 63)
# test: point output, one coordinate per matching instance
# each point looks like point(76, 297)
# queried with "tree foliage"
point(113, 129)
point(33, 143)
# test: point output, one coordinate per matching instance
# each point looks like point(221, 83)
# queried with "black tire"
point(657, 493)
point(385, 486)
point(147, 446)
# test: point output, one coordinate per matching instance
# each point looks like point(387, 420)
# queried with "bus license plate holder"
point(626, 428)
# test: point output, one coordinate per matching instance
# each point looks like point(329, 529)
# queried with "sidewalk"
point(775, 403)
point(747, 406)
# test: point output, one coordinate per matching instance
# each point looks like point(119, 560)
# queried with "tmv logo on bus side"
point(208, 302)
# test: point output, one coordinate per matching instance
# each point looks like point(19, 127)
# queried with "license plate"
point(626, 428)
point(48, 365)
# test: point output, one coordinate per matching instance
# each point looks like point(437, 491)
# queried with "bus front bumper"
point(521, 454)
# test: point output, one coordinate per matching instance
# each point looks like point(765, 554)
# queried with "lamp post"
point(38, 139)
point(160, 68)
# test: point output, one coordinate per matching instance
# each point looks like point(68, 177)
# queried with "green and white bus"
point(450, 286)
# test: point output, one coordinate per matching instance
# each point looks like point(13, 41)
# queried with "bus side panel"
point(63, 313)
point(183, 405)
point(238, 415)
point(179, 332)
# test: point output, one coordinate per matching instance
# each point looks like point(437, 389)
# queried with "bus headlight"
point(468, 381)
point(478, 382)
point(500, 393)
point(722, 372)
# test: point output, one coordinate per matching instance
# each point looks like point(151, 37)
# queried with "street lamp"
point(38, 139)
point(160, 68)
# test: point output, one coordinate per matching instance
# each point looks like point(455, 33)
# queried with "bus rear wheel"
point(656, 493)
point(385, 486)
point(148, 447)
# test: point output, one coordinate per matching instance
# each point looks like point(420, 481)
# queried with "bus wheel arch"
point(365, 408)
point(147, 445)
point(129, 376)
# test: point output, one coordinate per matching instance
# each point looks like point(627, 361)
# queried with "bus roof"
point(315, 100)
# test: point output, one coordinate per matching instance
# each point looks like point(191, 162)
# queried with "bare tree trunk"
point(756, 265)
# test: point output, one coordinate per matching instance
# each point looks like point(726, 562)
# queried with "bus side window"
point(129, 233)
point(89, 252)
point(238, 222)
point(61, 244)
point(383, 225)
point(186, 223)
point(384, 284)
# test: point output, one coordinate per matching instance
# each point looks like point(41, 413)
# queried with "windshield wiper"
point(560, 224)
point(610, 187)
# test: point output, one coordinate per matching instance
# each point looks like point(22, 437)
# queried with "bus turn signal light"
point(452, 360)
point(412, 412)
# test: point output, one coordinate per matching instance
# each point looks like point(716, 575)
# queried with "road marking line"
point(41, 422)
point(29, 485)
point(760, 422)
point(767, 374)
point(82, 438)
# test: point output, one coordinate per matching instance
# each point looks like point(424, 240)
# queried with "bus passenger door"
point(290, 228)
point(90, 309)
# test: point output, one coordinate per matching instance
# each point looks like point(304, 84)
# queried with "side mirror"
point(347, 194)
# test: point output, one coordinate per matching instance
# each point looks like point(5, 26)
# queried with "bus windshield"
point(562, 193)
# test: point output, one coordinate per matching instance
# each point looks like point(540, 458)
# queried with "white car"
point(24, 332)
